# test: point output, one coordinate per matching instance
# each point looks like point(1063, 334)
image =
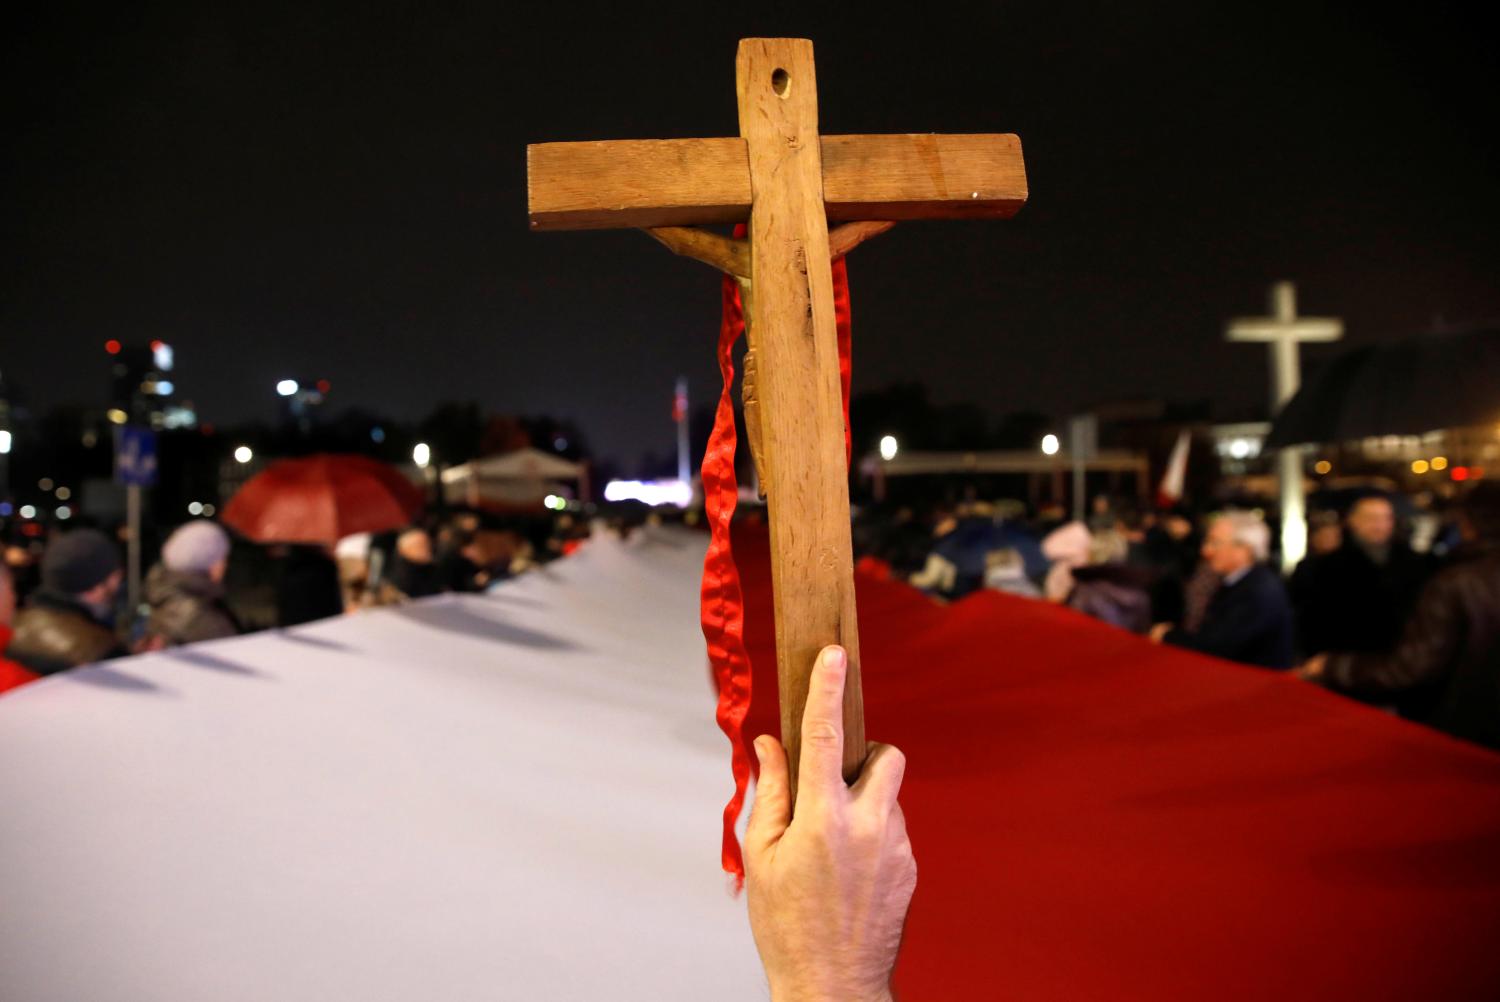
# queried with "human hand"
point(829, 888)
point(1159, 632)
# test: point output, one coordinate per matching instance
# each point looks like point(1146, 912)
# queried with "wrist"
point(790, 992)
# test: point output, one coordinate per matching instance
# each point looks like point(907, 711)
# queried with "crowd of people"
point(1364, 613)
point(63, 601)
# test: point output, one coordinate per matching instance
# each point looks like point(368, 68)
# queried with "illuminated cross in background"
point(1286, 331)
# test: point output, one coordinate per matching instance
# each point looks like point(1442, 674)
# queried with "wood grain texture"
point(679, 182)
point(730, 256)
point(801, 413)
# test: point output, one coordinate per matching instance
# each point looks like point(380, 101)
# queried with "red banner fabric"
point(1095, 817)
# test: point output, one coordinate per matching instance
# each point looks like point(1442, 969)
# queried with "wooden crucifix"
point(788, 182)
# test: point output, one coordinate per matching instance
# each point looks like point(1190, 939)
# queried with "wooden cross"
point(788, 182)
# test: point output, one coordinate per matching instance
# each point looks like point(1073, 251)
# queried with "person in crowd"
point(1325, 534)
point(307, 585)
point(12, 673)
point(1358, 597)
point(1089, 574)
point(1168, 551)
point(1249, 618)
point(69, 620)
point(352, 555)
point(828, 886)
point(186, 590)
point(461, 561)
point(1005, 570)
point(1445, 671)
point(413, 573)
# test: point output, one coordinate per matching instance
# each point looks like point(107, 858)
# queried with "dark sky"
point(286, 191)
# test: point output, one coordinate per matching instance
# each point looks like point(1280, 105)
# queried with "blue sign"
point(135, 457)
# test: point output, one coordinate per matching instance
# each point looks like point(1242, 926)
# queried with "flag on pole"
point(1171, 489)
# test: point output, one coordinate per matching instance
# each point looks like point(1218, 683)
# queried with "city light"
point(112, 346)
point(1419, 466)
point(4, 442)
point(195, 508)
point(287, 387)
point(116, 416)
point(1322, 466)
point(324, 386)
point(45, 484)
point(1459, 474)
point(161, 356)
point(1050, 444)
point(556, 502)
point(208, 511)
point(888, 448)
point(164, 387)
point(243, 454)
point(652, 492)
point(64, 494)
point(377, 434)
point(28, 511)
point(63, 513)
point(5, 509)
point(1439, 462)
point(421, 454)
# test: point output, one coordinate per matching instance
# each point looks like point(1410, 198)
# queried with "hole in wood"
point(781, 82)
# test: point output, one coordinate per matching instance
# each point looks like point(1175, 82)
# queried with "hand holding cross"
point(787, 181)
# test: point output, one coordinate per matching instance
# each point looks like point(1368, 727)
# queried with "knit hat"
point(78, 561)
point(195, 547)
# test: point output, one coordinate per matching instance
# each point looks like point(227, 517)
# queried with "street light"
point(888, 448)
point(421, 455)
point(243, 454)
point(1050, 444)
point(286, 388)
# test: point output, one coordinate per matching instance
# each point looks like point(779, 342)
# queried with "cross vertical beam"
point(793, 337)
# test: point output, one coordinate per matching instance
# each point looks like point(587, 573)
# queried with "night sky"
point(283, 191)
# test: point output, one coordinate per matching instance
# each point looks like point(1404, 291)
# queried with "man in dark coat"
point(1445, 671)
point(1358, 597)
point(69, 620)
point(1249, 618)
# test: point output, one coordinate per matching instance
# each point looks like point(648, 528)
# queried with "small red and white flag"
point(1170, 491)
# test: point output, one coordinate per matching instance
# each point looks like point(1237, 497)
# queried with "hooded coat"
point(187, 607)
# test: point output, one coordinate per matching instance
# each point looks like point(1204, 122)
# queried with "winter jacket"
point(186, 607)
point(1345, 601)
point(1446, 669)
point(1249, 621)
point(56, 632)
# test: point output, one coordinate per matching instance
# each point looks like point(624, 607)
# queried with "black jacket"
point(54, 632)
point(1345, 601)
point(1445, 672)
point(1249, 621)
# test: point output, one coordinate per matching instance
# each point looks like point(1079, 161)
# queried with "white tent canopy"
point(525, 475)
point(514, 796)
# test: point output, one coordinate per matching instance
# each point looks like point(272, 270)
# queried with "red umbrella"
point(322, 499)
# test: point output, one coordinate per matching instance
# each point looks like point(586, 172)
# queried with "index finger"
point(821, 764)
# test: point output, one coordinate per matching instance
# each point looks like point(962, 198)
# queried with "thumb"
point(772, 810)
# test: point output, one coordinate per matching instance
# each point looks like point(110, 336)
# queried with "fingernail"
point(833, 658)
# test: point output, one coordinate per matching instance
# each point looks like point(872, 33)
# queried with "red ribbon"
point(723, 606)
